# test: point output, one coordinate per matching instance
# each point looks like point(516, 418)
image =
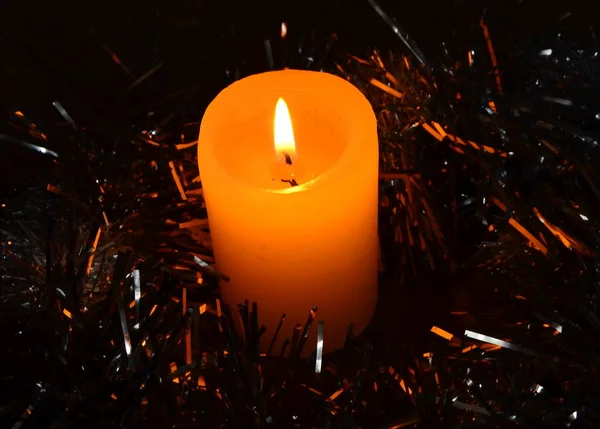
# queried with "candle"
point(289, 167)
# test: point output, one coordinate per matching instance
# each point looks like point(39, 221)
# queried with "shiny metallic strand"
point(400, 94)
point(89, 343)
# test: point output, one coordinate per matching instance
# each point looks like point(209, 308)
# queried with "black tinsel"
point(489, 204)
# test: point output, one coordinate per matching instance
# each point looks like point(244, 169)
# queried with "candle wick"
point(292, 182)
point(288, 158)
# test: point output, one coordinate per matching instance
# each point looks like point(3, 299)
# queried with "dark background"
point(58, 50)
point(53, 50)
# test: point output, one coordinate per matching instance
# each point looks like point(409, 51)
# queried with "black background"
point(52, 50)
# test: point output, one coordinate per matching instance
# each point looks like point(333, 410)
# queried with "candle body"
point(290, 249)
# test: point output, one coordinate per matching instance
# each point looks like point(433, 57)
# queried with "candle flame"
point(283, 30)
point(285, 145)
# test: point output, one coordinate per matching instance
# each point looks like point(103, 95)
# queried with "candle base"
point(342, 300)
point(280, 339)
